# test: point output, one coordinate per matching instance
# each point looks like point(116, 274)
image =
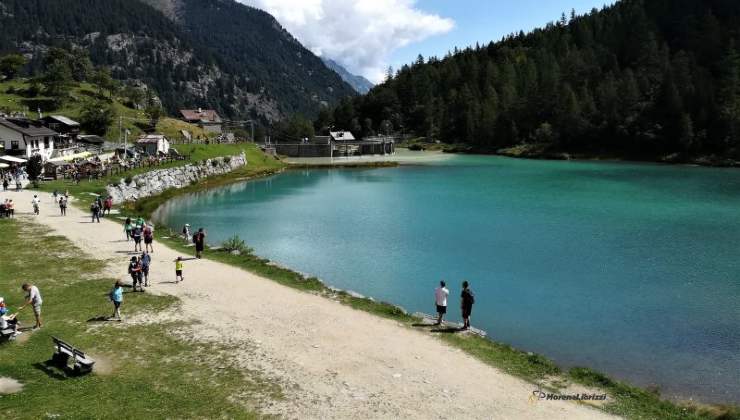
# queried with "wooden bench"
point(63, 351)
point(6, 334)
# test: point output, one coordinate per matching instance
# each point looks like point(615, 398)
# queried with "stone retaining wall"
point(155, 182)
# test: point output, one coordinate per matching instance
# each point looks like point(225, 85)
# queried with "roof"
point(202, 115)
point(91, 139)
point(342, 136)
point(151, 138)
point(64, 120)
point(27, 127)
point(12, 159)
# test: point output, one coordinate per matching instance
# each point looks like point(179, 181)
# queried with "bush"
point(236, 244)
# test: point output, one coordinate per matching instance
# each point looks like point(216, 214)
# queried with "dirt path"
point(332, 361)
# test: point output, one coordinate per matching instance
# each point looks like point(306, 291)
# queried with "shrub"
point(235, 243)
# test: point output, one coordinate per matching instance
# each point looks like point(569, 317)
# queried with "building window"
point(14, 145)
point(46, 142)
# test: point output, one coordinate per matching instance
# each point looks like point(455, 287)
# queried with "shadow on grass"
point(446, 330)
point(100, 318)
point(50, 370)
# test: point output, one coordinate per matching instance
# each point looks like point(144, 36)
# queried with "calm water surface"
point(631, 269)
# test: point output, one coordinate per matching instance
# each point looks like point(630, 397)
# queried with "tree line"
point(639, 78)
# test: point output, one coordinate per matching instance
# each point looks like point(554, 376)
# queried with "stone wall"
point(155, 182)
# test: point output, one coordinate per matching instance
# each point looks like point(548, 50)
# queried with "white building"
point(26, 138)
point(153, 144)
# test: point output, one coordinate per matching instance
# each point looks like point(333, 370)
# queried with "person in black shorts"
point(136, 234)
point(467, 299)
point(200, 242)
point(148, 238)
point(134, 269)
point(440, 299)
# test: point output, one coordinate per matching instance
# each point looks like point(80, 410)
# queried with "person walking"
point(63, 205)
point(107, 205)
point(149, 238)
point(5, 184)
point(33, 298)
point(440, 298)
point(200, 242)
point(146, 261)
point(36, 202)
point(55, 195)
point(136, 234)
point(95, 210)
point(134, 269)
point(467, 300)
point(116, 297)
point(178, 270)
point(127, 228)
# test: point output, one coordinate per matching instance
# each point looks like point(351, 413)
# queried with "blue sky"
point(366, 36)
point(485, 20)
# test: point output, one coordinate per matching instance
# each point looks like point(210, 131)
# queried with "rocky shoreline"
point(155, 182)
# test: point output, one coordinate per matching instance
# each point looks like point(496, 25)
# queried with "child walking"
point(116, 296)
point(178, 270)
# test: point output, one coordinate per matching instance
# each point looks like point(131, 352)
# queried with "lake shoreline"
point(369, 303)
point(536, 152)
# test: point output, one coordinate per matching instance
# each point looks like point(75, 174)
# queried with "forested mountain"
point(359, 83)
point(193, 53)
point(641, 78)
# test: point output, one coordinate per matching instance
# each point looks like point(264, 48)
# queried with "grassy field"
point(10, 100)
point(142, 371)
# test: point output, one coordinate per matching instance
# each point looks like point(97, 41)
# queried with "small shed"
point(56, 168)
point(153, 144)
point(339, 136)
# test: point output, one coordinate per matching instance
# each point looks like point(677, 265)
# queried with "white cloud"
point(359, 34)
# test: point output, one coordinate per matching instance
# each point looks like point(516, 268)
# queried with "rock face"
point(155, 182)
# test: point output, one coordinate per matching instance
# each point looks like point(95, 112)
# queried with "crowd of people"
point(138, 231)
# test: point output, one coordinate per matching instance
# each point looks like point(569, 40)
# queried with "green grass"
point(142, 371)
point(72, 107)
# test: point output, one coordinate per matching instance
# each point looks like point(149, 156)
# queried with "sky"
point(367, 36)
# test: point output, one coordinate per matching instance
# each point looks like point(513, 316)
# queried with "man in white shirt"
point(33, 298)
point(440, 297)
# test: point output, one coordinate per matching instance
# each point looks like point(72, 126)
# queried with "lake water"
point(631, 269)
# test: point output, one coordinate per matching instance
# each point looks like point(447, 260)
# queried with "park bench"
point(6, 334)
point(63, 351)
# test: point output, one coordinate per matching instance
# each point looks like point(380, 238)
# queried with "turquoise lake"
point(630, 269)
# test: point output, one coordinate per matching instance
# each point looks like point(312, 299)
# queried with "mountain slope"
point(358, 83)
point(209, 53)
point(640, 79)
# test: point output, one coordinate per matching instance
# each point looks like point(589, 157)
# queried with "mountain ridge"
point(359, 83)
point(216, 54)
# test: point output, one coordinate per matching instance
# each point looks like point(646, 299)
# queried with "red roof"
point(205, 115)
